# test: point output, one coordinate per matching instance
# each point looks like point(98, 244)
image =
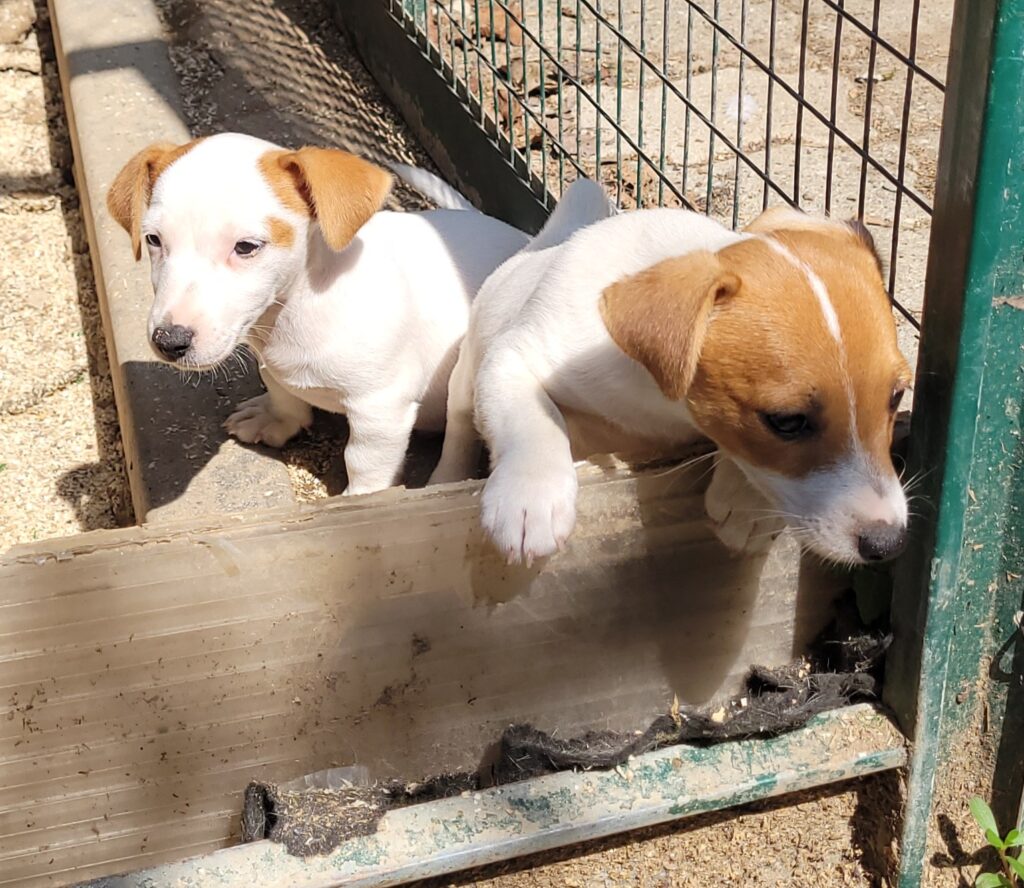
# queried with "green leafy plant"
point(1012, 875)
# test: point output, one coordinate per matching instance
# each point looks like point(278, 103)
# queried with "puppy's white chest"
point(307, 382)
point(307, 371)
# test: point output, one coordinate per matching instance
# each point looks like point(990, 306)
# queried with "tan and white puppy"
point(650, 329)
point(349, 309)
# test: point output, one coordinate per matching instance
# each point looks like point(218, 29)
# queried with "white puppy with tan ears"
point(349, 309)
point(650, 329)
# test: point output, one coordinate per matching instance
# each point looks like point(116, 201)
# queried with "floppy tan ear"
point(129, 196)
point(660, 316)
point(342, 191)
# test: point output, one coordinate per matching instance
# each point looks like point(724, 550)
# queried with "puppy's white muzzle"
point(854, 513)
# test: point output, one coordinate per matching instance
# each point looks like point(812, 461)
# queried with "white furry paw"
point(529, 511)
point(254, 423)
point(741, 517)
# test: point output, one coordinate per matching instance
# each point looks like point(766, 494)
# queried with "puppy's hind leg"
point(378, 439)
point(271, 418)
point(461, 451)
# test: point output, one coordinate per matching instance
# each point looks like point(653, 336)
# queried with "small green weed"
point(1012, 875)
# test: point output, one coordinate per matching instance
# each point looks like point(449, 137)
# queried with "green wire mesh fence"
point(724, 106)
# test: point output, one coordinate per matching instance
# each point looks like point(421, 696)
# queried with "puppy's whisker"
point(684, 465)
point(917, 478)
point(844, 562)
point(704, 474)
point(771, 513)
point(919, 498)
point(671, 485)
point(797, 533)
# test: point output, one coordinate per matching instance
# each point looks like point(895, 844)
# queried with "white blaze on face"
point(832, 508)
point(203, 205)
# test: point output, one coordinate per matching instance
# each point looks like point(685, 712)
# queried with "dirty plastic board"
point(149, 674)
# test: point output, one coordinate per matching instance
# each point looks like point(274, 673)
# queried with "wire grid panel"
point(725, 106)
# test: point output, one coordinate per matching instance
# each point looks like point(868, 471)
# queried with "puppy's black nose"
point(880, 541)
point(172, 342)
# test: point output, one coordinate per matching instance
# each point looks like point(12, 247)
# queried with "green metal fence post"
point(957, 592)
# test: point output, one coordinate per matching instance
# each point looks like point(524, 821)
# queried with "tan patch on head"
point(338, 189)
point(779, 218)
point(281, 233)
point(769, 350)
point(130, 193)
point(742, 334)
point(659, 317)
point(875, 366)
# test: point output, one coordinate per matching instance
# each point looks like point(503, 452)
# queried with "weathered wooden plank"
point(121, 94)
point(147, 674)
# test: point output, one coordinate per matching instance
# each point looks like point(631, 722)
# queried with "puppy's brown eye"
point(246, 248)
point(788, 426)
point(896, 399)
point(153, 240)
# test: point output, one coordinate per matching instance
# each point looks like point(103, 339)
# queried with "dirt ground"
point(842, 836)
point(61, 466)
point(280, 68)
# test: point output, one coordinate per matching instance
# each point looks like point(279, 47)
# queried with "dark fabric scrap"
point(779, 700)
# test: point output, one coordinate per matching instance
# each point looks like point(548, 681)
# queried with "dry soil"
point(61, 466)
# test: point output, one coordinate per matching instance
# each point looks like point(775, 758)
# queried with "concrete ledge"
point(121, 94)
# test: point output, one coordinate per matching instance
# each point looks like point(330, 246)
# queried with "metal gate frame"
point(957, 663)
point(958, 666)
